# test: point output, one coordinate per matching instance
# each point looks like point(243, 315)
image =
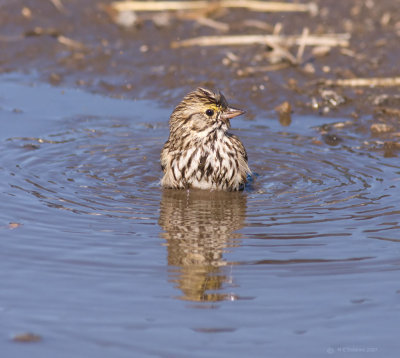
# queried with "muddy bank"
point(81, 44)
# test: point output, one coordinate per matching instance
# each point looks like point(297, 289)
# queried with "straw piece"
point(191, 5)
point(158, 5)
point(58, 5)
point(66, 41)
point(247, 71)
point(364, 82)
point(330, 40)
point(217, 25)
point(302, 46)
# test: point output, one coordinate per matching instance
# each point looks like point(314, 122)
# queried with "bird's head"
point(201, 111)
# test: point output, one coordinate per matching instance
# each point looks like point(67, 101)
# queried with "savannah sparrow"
point(199, 152)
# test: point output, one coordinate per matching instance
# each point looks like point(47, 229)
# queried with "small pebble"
point(321, 51)
point(126, 19)
point(332, 98)
point(26, 12)
point(331, 139)
point(162, 19)
point(342, 124)
point(309, 68)
point(378, 128)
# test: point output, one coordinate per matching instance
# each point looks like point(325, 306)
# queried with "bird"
point(200, 153)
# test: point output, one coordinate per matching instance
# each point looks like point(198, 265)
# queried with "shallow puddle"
point(98, 261)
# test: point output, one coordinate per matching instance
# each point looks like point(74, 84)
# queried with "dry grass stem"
point(278, 27)
point(66, 41)
point(261, 25)
point(58, 5)
point(302, 45)
point(255, 69)
point(217, 25)
point(330, 40)
point(254, 5)
point(364, 82)
point(271, 6)
point(283, 54)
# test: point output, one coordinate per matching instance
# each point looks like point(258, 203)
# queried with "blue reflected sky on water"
point(99, 261)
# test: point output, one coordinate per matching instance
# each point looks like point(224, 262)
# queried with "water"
point(99, 261)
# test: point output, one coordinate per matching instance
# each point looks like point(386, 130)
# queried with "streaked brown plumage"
point(199, 152)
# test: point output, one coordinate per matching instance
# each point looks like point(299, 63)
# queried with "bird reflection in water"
point(198, 227)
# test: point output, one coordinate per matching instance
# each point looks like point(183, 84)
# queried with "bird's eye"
point(210, 112)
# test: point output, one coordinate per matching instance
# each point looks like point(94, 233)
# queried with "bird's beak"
point(231, 113)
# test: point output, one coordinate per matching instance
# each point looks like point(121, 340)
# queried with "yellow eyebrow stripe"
point(214, 107)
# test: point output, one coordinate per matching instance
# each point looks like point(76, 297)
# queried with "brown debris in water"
point(27, 337)
point(14, 225)
point(390, 149)
point(284, 111)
